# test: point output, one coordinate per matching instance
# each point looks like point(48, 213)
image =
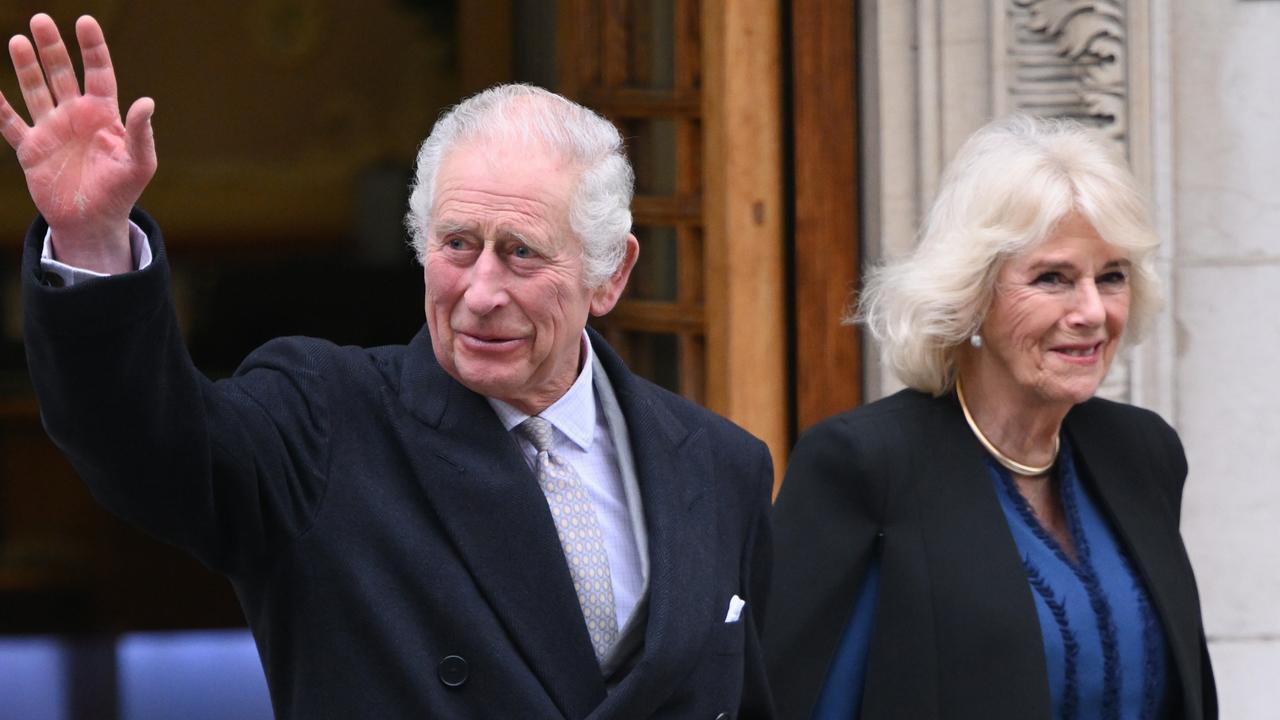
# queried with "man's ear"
point(606, 296)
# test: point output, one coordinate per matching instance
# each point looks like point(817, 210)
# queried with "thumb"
point(140, 138)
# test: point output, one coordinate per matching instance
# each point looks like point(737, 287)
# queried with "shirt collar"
point(573, 414)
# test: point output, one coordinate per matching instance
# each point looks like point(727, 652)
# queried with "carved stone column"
point(1067, 58)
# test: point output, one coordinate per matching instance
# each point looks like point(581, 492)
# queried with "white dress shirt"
point(581, 438)
point(71, 275)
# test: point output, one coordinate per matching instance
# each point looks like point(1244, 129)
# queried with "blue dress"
point(1105, 651)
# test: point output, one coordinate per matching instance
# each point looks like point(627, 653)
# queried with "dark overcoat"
point(389, 544)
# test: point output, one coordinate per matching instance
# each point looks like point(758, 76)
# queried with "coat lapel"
point(497, 520)
point(1123, 483)
point(975, 569)
point(675, 488)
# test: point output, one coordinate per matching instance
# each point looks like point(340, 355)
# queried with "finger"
point(139, 136)
point(99, 76)
point(30, 77)
point(54, 57)
point(12, 126)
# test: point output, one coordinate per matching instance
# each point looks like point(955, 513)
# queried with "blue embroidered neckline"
point(1083, 569)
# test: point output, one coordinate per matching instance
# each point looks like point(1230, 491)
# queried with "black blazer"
point(956, 633)
point(389, 544)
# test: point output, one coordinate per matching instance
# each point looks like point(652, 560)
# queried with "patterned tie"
point(580, 536)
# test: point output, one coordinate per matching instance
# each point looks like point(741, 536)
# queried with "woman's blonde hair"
point(1007, 189)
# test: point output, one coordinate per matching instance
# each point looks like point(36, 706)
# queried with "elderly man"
point(497, 520)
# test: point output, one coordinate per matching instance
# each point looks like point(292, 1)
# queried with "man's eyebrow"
point(507, 233)
point(536, 242)
point(446, 227)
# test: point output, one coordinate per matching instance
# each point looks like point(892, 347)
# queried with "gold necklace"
point(1008, 462)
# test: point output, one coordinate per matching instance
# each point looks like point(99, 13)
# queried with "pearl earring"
point(975, 340)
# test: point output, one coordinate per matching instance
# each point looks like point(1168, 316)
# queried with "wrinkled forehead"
point(505, 163)
point(505, 144)
point(492, 192)
point(1073, 241)
point(501, 162)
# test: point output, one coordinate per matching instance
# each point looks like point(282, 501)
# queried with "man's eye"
point(523, 252)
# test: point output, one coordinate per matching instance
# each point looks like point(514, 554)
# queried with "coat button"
point(453, 670)
point(722, 716)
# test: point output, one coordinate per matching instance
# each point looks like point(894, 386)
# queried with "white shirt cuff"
point(70, 275)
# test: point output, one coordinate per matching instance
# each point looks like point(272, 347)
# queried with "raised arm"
point(85, 168)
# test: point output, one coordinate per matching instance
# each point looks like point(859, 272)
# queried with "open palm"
point(84, 167)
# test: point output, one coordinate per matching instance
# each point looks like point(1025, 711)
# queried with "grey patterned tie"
point(580, 536)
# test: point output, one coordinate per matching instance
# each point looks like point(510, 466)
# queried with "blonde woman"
point(994, 541)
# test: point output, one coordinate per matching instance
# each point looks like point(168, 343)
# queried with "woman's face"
point(1056, 316)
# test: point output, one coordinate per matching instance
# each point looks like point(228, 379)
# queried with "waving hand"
point(85, 168)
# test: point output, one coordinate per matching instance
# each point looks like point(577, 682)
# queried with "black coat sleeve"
point(757, 569)
point(1177, 459)
point(221, 469)
point(1164, 439)
point(826, 520)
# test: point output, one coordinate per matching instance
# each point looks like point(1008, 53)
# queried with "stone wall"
point(1226, 294)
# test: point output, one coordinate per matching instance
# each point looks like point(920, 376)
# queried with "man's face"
point(505, 298)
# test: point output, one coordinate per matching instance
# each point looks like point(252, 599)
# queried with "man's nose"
point(487, 289)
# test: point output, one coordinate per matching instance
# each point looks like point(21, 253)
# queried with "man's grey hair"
point(600, 205)
point(1006, 191)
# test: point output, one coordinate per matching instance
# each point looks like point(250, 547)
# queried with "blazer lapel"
point(497, 519)
point(975, 569)
point(675, 488)
point(1128, 494)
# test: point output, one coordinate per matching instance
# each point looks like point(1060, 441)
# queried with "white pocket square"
point(735, 609)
